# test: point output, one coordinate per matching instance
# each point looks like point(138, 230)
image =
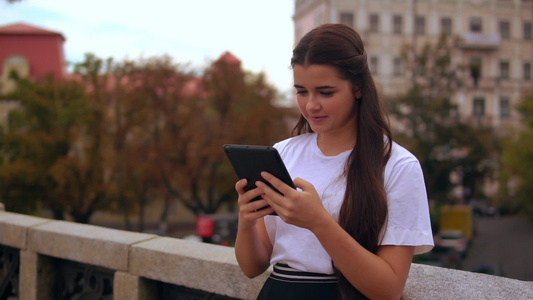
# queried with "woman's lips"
point(317, 119)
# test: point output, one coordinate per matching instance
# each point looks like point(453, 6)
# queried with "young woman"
point(360, 210)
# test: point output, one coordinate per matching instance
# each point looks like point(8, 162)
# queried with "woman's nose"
point(312, 103)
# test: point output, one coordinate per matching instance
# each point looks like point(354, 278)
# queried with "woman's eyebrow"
point(324, 87)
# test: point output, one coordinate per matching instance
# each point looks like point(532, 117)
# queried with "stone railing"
point(129, 265)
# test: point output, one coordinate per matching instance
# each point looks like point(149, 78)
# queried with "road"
point(505, 242)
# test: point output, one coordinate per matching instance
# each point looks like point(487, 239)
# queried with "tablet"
point(249, 161)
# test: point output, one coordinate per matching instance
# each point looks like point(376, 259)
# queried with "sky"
point(197, 32)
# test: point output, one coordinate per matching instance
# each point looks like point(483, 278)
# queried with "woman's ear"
point(357, 91)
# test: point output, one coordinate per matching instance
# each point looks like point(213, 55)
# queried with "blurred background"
point(115, 113)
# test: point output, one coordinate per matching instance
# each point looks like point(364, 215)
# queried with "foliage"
point(49, 119)
point(123, 133)
point(428, 124)
point(236, 109)
point(517, 161)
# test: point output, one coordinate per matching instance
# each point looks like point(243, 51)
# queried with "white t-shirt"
point(408, 213)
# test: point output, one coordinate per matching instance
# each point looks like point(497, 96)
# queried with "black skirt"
point(288, 283)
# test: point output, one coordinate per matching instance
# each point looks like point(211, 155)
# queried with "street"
point(504, 244)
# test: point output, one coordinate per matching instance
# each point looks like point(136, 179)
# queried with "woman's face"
point(325, 100)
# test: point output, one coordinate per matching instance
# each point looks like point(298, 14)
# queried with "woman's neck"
point(332, 145)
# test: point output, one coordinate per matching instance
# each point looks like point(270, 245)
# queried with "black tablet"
point(249, 161)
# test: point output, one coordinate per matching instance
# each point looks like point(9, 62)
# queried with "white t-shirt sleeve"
point(408, 221)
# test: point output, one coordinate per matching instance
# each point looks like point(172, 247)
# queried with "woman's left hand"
point(302, 208)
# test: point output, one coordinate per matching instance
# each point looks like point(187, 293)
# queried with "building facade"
point(495, 45)
point(31, 52)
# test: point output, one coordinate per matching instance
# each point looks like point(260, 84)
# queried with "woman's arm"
point(252, 246)
point(377, 276)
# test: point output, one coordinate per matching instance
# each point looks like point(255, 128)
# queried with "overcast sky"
point(259, 33)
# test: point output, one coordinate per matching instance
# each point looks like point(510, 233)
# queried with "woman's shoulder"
point(400, 154)
point(295, 141)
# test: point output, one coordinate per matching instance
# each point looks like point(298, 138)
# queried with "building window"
point(476, 24)
point(16, 64)
point(527, 71)
point(504, 108)
point(374, 64)
point(397, 66)
point(374, 23)
point(475, 69)
point(527, 30)
point(347, 18)
point(479, 107)
point(420, 25)
point(446, 26)
point(398, 24)
point(505, 30)
point(504, 70)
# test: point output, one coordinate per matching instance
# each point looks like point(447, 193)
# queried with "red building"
point(30, 51)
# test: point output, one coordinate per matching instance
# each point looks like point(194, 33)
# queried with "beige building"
point(496, 45)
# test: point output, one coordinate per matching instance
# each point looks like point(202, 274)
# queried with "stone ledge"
point(14, 228)
point(207, 267)
point(83, 243)
point(429, 282)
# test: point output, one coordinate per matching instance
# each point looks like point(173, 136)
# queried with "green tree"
point(41, 132)
point(428, 123)
point(517, 162)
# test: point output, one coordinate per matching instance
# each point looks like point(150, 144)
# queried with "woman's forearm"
point(251, 253)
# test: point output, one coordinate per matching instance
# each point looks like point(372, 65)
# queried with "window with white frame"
point(474, 65)
point(446, 25)
point(479, 107)
point(505, 29)
point(527, 30)
point(504, 108)
point(504, 69)
point(476, 24)
point(397, 66)
point(420, 25)
point(346, 18)
point(374, 23)
point(397, 23)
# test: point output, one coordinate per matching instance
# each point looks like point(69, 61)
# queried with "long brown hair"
point(364, 210)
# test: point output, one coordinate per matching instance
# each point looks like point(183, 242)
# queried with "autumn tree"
point(234, 107)
point(428, 123)
point(517, 165)
point(41, 133)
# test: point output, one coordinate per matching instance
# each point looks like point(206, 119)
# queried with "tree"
point(41, 132)
point(517, 163)
point(429, 124)
point(122, 134)
point(236, 108)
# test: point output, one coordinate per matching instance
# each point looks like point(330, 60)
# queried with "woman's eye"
point(326, 93)
point(299, 92)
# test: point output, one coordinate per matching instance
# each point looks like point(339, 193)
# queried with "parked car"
point(487, 268)
point(452, 239)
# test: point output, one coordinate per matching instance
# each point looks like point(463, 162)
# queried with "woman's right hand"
point(252, 246)
point(250, 211)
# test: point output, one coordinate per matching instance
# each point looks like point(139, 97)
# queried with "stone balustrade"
point(140, 263)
